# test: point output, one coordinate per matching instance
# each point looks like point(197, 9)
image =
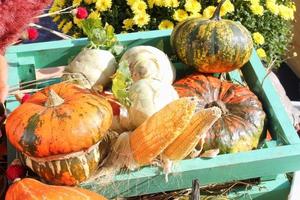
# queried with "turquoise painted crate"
point(281, 157)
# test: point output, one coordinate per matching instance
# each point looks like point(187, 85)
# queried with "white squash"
point(149, 62)
point(96, 65)
point(148, 96)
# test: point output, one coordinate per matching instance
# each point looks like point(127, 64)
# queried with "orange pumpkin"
point(28, 189)
point(243, 119)
point(58, 131)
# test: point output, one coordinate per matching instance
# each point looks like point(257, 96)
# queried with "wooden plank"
point(223, 168)
point(278, 120)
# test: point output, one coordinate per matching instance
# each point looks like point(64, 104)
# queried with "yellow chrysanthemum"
point(76, 35)
point(171, 3)
point(56, 18)
point(76, 2)
point(258, 38)
point(180, 15)
point(128, 24)
point(78, 22)
point(272, 7)
point(54, 8)
point(103, 5)
point(257, 9)
point(61, 24)
point(192, 6)
point(150, 3)
point(141, 19)
point(254, 2)
point(89, 1)
point(227, 7)
point(294, 7)
point(94, 15)
point(159, 3)
point(130, 2)
point(67, 27)
point(195, 15)
point(261, 53)
point(139, 6)
point(286, 12)
point(60, 3)
point(165, 24)
point(209, 11)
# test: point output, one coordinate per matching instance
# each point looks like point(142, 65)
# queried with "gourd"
point(242, 122)
point(96, 65)
point(58, 131)
point(212, 45)
point(149, 62)
point(28, 189)
point(148, 96)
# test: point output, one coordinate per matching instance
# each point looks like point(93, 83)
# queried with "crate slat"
point(278, 120)
point(223, 168)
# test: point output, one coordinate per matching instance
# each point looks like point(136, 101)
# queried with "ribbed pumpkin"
point(212, 45)
point(28, 189)
point(242, 122)
point(58, 131)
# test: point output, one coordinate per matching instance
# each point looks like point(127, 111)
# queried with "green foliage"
point(121, 82)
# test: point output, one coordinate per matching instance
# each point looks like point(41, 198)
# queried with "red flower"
point(25, 98)
point(81, 13)
point(15, 170)
point(32, 33)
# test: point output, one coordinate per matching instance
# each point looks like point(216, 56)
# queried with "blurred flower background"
point(269, 21)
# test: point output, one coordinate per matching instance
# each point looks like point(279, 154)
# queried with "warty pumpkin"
point(28, 189)
point(212, 45)
point(58, 131)
point(242, 122)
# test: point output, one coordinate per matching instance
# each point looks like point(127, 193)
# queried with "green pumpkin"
point(212, 45)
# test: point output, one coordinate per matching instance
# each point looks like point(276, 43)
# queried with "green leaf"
point(121, 82)
point(100, 37)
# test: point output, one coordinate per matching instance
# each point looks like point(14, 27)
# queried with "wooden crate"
point(279, 156)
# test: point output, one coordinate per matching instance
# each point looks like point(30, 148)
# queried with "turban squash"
point(212, 45)
point(28, 189)
point(58, 131)
point(242, 122)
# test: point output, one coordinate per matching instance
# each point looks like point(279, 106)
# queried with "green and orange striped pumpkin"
point(212, 45)
point(58, 131)
point(243, 120)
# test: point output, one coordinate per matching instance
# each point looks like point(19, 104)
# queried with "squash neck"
point(218, 104)
point(217, 15)
point(53, 99)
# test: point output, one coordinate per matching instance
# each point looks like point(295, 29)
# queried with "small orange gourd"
point(28, 189)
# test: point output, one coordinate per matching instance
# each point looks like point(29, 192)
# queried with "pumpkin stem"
point(218, 104)
point(216, 15)
point(53, 99)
